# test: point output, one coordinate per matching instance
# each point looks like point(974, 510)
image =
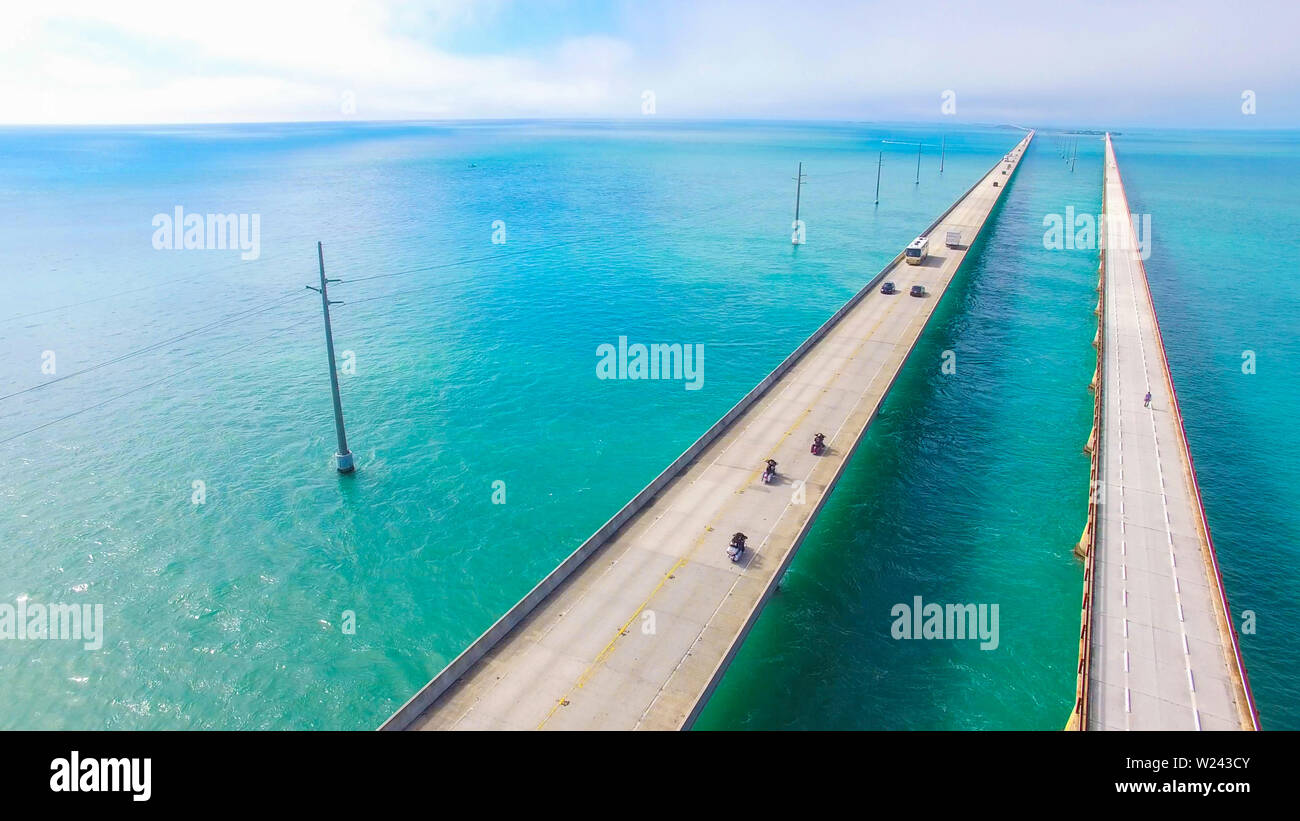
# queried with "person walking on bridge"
point(1146, 403)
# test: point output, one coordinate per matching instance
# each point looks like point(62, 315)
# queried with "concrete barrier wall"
point(757, 609)
point(1214, 573)
point(418, 703)
point(1087, 547)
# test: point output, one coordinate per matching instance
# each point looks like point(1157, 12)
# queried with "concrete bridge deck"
point(1164, 653)
point(635, 629)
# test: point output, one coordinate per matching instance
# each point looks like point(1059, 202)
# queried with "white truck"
point(952, 239)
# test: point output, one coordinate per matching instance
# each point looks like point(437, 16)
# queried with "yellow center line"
point(681, 562)
point(605, 651)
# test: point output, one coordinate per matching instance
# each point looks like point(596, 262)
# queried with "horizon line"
point(1101, 130)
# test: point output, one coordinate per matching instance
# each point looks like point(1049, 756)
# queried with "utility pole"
point(344, 456)
point(943, 150)
point(798, 190)
point(879, 162)
point(918, 154)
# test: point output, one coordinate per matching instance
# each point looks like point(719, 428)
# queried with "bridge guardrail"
point(481, 646)
point(1087, 546)
point(1251, 708)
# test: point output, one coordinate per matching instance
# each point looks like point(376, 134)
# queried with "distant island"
point(1079, 132)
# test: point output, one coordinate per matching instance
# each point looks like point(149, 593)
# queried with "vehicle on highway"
point(888, 288)
point(917, 251)
point(737, 547)
point(918, 290)
point(819, 444)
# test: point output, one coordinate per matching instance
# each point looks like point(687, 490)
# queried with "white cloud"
point(249, 60)
point(148, 61)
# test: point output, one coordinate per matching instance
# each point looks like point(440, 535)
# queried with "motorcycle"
point(769, 473)
point(819, 444)
point(737, 547)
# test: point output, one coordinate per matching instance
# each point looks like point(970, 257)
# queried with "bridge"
point(1157, 647)
point(636, 627)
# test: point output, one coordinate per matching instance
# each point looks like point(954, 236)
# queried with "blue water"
point(970, 487)
point(475, 365)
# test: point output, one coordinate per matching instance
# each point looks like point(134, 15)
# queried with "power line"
point(138, 388)
point(268, 306)
point(484, 258)
point(126, 292)
point(156, 345)
point(284, 240)
point(231, 266)
point(255, 310)
point(367, 235)
point(186, 280)
point(260, 309)
point(508, 254)
point(405, 291)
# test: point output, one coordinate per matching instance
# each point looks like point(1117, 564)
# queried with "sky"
point(1103, 63)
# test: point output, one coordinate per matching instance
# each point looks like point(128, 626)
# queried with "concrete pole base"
point(345, 462)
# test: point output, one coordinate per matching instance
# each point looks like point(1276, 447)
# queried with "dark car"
point(888, 288)
point(918, 290)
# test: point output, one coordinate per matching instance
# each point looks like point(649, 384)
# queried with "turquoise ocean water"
point(475, 364)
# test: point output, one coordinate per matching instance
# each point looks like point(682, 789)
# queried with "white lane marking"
point(1112, 350)
point(741, 571)
point(1130, 270)
point(759, 408)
